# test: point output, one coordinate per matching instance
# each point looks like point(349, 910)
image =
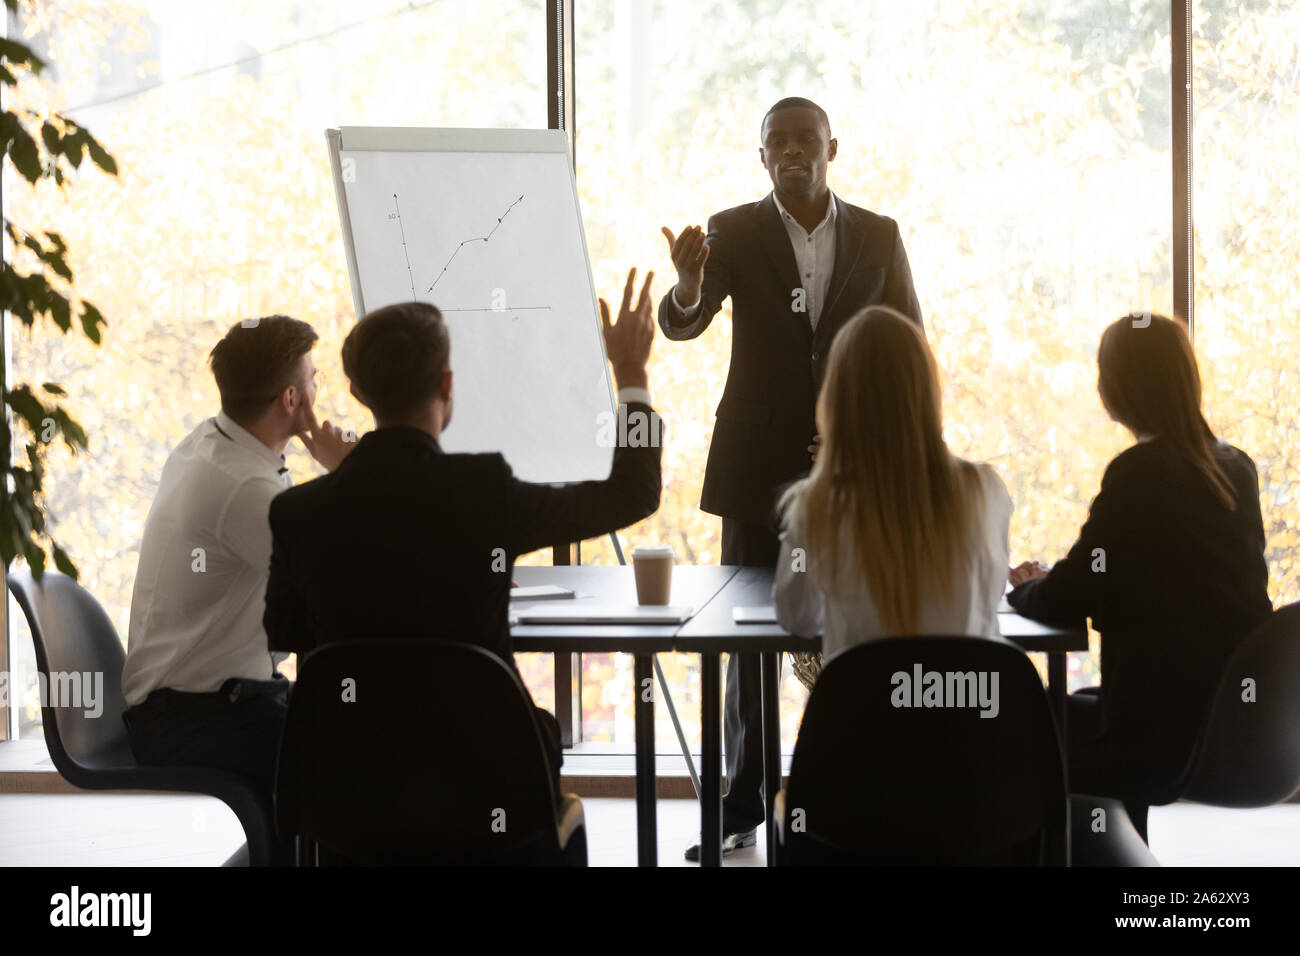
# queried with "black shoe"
point(730, 843)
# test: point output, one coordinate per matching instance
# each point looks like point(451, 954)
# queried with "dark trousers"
point(1094, 770)
point(1097, 762)
point(236, 728)
point(743, 806)
point(1090, 771)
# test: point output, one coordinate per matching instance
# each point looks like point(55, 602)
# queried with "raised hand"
point(627, 343)
point(689, 252)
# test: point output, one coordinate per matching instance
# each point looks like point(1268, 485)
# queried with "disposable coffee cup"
point(653, 566)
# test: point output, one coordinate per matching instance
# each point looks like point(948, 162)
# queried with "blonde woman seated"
point(890, 533)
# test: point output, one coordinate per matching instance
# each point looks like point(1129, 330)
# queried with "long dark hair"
point(1150, 384)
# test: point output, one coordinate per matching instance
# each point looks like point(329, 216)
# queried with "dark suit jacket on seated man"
point(407, 541)
point(797, 264)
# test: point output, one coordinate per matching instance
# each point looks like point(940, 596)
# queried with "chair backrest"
point(415, 751)
point(879, 779)
point(1250, 750)
point(80, 657)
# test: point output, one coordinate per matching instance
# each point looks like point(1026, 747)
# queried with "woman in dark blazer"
point(1169, 566)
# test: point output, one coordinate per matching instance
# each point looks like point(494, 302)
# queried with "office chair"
point(419, 752)
point(875, 783)
point(1248, 753)
point(71, 633)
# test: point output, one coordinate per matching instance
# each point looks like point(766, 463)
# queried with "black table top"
point(714, 625)
point(693, 585)
point(714, 590)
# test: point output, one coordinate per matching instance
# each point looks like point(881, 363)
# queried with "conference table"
point(714, 591)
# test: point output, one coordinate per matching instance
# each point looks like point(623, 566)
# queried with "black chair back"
point(873, 781)
point(76, 646)
point(415, 752)
point(1250, 751)
point(90, 746)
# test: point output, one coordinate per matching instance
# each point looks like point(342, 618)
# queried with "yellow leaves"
point(1032, 214)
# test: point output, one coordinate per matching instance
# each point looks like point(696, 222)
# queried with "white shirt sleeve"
point(245, 525)
point(800, 605)
point(631, 393)
point(686, 313)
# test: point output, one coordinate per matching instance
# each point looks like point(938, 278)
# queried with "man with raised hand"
point(406, 541)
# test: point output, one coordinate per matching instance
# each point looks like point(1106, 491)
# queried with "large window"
point(1247, 216)
point(1023, 146)
point(1024, 149)
point(224, 209)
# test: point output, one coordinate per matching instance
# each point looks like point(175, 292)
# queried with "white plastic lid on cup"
point(653, 551)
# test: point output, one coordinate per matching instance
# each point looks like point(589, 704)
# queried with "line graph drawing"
point(397, 214)
point(466, 242)
point(490, 234)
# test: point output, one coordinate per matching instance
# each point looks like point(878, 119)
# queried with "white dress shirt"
point(814, 255)
point(631, 393)
point(971, 608)
point(205, 556)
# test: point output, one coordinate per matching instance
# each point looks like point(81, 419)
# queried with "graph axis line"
point(402, 229)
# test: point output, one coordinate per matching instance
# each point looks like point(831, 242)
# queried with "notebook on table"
point(540, 592)
point(759, 614)
point(766, 613)
point(567, 613)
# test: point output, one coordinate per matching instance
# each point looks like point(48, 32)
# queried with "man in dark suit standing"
point(410, 542)
point(797, 265)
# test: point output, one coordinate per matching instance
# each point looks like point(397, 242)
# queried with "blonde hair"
point(884, 477)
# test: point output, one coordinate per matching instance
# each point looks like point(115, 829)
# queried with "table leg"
point(1057, 690)
point(564, 696)
point(644, 709)
point(711, 760)
point(771, 746)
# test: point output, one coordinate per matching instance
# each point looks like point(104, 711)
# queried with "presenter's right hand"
point(628, 343)
point(689, 253)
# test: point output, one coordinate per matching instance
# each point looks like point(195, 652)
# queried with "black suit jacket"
point(1185, 579)
point(405, 541)
point(765, 419)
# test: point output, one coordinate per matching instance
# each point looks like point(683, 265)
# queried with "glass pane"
point(1247, 216)
point(1023, 148)
point(225, 207)
point(20, 689)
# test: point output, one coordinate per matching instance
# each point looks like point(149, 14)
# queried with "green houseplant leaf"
point(38, 285)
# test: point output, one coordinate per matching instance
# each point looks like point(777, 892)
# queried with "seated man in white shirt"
point(200, 684)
